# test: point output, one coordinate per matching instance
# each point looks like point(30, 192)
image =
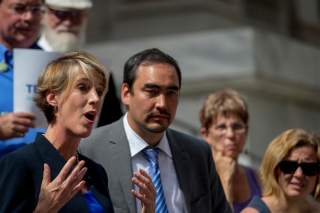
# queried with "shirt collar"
point(43, 43)
point(3, 49)
point(137, 144)
point(7, 56)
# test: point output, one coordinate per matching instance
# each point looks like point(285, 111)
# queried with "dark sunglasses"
point(73, 14)
point(309, 169)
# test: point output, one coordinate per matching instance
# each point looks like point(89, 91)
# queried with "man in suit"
point(150, 91)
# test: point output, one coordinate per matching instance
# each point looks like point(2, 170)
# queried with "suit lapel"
point(121, 156)
point(181, 161)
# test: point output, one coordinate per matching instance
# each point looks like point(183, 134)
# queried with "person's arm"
point(220, 203)
point(15, 124)
point(146, 193)
point(226, 168)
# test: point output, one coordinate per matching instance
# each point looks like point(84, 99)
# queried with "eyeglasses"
point(68, 14)
point(238, 128)
point(22, 9)
point(309, 169)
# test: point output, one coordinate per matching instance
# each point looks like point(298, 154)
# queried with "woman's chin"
point(84, 134)
point(232, 154)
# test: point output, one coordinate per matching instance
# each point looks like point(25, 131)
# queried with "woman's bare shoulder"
point(249, 210)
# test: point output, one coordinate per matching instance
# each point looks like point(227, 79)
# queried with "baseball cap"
point(69, 4)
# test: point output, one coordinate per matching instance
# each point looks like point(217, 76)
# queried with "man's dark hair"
point(151, 56)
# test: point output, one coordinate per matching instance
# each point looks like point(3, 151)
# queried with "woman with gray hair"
point(224, 125)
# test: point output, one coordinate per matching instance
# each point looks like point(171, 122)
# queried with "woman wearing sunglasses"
point(290, 175)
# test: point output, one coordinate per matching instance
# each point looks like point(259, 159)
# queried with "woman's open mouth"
point(90, 116)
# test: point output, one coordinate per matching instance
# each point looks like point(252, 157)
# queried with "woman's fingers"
point(56, 193)
point(67, 181)
point(76, 175)
point(78, 183)
point(46, 175)
point(70, 186)
point(65, 171)
point(78, 187)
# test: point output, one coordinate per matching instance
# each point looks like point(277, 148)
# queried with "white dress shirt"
point(44, 44)
point(174, 196)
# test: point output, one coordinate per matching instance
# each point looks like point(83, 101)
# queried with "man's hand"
point(146, 193)
point(55, 194)
point(15, 124)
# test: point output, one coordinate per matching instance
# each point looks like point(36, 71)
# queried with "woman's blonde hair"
point(277, 151)
point(225, 102)
point(61, 73)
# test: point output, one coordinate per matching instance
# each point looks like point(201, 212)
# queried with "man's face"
point(65, 29)
point(19, 22)
point(153, 99)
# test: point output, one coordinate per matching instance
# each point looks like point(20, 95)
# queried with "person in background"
point(49, 175)
point(19, 28)
point(224, 125)
point(289, 172)
point(180, 165)
point(64, 29)
point(64, 25)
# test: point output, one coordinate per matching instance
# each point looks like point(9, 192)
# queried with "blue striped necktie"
point(151, 154)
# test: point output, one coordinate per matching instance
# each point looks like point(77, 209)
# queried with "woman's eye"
point(100, 93)
point(83, 87)
point(221, 127)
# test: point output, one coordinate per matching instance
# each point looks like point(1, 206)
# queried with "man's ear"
point(125, 94)
point(52, 99)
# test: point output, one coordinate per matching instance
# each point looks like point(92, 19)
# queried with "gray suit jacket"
point(198, 179)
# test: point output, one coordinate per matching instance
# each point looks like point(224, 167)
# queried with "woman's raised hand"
point(55, 194)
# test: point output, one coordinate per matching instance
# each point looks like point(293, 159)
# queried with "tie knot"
point(151, 154)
